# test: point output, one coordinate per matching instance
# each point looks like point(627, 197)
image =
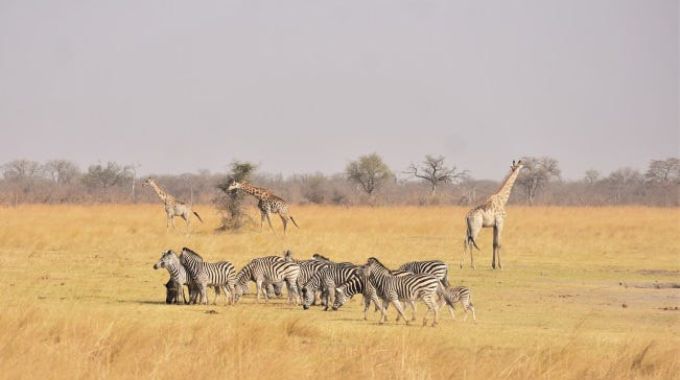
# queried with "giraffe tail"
point(469, 239)
point(294, 222)
point(198, 216)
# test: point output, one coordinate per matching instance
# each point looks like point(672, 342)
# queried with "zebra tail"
point(443, 294)
point(445, 280)
point(294, 222)
point(198, 216)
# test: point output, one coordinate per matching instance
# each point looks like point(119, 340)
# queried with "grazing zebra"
point(458, 294)
point(220, 275)
point(178, 273)
point(436, 268)
point(393, 289)
point(272, 271)
point(325, 280)
point(355, 285)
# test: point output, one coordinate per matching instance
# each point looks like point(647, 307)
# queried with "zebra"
point(355, 285)
point(220, 275)
point(325, 280)
point(452, 295)
point(266, 269)
point(436, 268)
point(393, 289)
point(178, 273)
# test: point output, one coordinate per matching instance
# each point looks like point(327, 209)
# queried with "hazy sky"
point(304, 86)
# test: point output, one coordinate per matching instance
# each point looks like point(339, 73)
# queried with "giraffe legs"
point(284, 220)
point(497, 229)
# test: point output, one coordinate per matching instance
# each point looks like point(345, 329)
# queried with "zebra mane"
point(374, 260)
point(318, 256)
point(187, 250)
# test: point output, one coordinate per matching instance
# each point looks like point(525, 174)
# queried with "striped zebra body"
point(178, 274)
point(268, 270)
point(220, 275)
point(436, 268)
point(453, 295)
point(355, 285)
point(326, 280)
point(394, 289)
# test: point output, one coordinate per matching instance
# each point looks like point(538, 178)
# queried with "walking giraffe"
point(267, 202)
point(490, 214)
point(173, 207)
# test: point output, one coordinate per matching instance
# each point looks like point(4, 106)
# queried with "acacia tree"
point(664, 172)
point(232, 204)
point(369, 172)
point(433, 171)
point(537, 172)
point(105, 176)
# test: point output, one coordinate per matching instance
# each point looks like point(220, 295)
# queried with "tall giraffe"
point(490, 214)
point(267, 202)
point(173, 207)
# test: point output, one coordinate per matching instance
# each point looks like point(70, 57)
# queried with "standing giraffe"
point(173, 207)
point(267, 202)
point(490, 214)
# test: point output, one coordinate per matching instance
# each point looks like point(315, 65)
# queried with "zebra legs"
point(432, 306)
point(400, 310)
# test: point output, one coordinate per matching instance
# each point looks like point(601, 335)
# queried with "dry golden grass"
point(80, 298)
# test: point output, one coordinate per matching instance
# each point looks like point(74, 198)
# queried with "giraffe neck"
point(503, 194)
point(254, 191)
point(165, 197)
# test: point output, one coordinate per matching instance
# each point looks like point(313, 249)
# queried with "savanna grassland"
point(575, 299)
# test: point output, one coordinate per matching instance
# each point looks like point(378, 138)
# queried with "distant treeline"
point(366, 181)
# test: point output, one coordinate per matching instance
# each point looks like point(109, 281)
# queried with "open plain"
point(585, 292)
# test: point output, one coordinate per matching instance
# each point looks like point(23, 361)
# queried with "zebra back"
point(436, 268)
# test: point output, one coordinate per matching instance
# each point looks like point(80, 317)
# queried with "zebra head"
point(340, 297)
point(166, 259)
point(307, 297)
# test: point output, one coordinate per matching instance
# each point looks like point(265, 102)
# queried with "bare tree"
point(433, 171)
point(664, 172)
point(368, 172)
point(232, 204)
point(537, 172)
point(623, 183)
point(62, 172)
point(313, 188)
point(19, 170)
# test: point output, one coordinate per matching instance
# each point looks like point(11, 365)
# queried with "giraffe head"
point(516, 165)
point(234, 185)
point(147, 182)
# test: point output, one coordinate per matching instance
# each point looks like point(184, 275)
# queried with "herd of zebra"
point(318, 280)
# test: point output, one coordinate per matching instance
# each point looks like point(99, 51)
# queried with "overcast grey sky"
point(304, 86)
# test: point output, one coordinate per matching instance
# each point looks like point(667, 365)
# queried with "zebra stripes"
point(461, 294)
point(220, 275)
point(325, 280)
point(436, 268)
point(355, 285)
point(337, 282)
point(178, 274)
point(272, 269)
point(394, 289)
